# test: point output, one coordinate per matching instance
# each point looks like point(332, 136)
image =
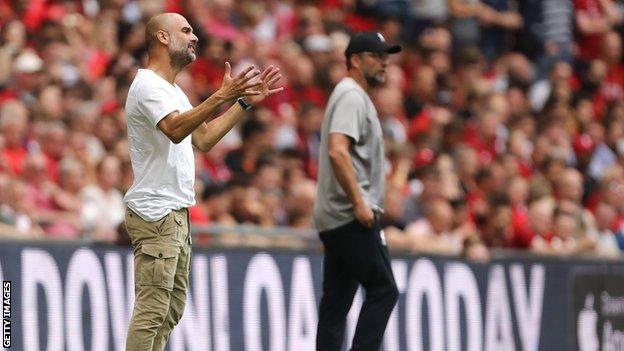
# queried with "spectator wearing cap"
point(28, 62)
point(27, 78)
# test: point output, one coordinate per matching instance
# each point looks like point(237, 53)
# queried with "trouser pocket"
point(181, 226)
point(156, 265)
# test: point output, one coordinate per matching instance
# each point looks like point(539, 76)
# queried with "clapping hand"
point(240, 86)
point(268, 78)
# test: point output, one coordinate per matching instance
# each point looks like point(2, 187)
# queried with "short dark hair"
point(252, 126)
point(214, 190)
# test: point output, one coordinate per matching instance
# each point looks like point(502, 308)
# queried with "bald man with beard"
point(163, 127)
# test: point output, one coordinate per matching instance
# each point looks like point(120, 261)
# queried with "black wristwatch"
point(244, 104)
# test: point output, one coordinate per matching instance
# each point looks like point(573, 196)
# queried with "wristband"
point(246, 106)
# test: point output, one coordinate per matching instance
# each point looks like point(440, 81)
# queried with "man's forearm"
point(509, 20)
point(464, 10)
point(209, 134)
point(185, 123)
point(345, 174)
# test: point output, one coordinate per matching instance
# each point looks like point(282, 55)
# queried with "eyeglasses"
point(377, 55)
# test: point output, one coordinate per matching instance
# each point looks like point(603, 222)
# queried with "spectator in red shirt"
point(422, 88)
point(13, 126)
point(594, 19)
point(52, 143)
point(483, 136)
point(612, 89)
point(518, 192)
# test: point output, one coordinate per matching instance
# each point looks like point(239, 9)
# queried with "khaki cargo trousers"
point(162, 255)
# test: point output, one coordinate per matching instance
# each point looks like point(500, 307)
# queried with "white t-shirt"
point(164, 172)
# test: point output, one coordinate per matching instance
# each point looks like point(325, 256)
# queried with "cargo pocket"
point(180, 225)
point(159, 265)
point(129, 218)
point(167, 225)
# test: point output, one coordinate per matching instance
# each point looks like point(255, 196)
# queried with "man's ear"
point(355, 60)
point(163, 37)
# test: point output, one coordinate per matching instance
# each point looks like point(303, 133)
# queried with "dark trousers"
point(355, 255)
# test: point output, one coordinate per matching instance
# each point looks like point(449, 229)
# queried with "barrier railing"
point(287, 238)
point(256, 236)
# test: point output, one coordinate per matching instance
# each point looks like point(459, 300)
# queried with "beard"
point(179, 54)
point(375, 80)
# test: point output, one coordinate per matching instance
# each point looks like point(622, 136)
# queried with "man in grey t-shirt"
point(350, 198)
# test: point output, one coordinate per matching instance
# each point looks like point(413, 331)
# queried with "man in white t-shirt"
point(162, 128)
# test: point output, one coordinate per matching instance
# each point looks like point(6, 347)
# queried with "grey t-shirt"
point(351, 112)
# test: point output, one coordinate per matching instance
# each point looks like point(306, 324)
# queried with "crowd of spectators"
point(503, 120)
